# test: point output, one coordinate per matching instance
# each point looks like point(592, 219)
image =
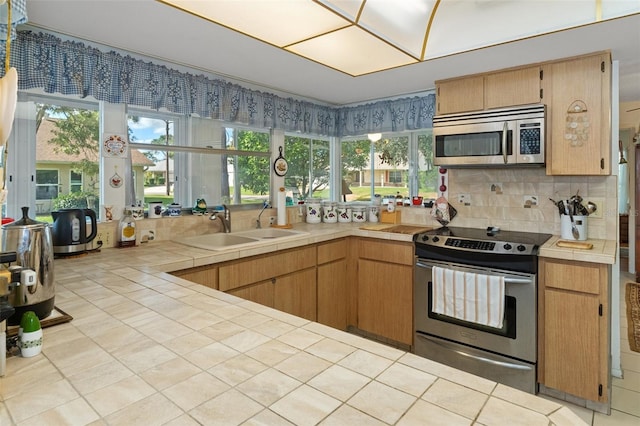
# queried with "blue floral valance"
point(72, 68)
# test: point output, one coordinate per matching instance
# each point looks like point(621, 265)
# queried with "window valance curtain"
point(73, 68)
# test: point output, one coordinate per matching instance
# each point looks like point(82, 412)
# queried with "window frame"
point(182, 135)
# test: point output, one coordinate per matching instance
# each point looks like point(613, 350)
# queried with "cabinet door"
point(509, 88)
point(296, 293)
point(578, 124)
point(460, 95)
point(333, 294)
point(205, 275)
point(385, 300)
point(261, 293)
point(571, 348)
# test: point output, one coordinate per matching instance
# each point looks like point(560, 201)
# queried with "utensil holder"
point(565, 227)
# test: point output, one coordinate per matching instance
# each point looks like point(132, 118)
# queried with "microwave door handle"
point(505, 130)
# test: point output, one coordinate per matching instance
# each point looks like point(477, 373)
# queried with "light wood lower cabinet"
point(261, 293)
point(316, 282)
point(296, 293)
point(285, 280)
point(385, 289)
point(205, 275)
point(574, 328)
point(333, 289)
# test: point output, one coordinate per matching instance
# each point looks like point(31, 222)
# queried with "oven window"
point(508, 325)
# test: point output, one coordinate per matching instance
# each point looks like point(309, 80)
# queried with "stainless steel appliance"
point(31, 241)
point(508, 354)
point(70, 230)
point(498, 137)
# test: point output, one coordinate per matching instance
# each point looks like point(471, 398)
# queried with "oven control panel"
point(483, 246)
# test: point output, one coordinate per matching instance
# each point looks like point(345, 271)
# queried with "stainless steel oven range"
point(504, 352)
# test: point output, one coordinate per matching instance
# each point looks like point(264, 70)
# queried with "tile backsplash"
point(512, 199)
point(518, 199)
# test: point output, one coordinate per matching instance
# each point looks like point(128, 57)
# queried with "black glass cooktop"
point(512, 237)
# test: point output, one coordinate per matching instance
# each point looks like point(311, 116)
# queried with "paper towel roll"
point(282, 207)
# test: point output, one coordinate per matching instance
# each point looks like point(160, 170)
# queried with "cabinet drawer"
point(386, 251)
point(584, 277)
point(334, 250)
point(252, 270)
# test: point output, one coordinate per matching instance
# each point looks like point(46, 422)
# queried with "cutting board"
point(575, 245)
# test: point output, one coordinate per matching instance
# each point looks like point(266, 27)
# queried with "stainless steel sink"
point(222, 241)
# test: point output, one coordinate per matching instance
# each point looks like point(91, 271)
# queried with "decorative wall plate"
point(116, 180)
point(280, 166)
point(115, 146)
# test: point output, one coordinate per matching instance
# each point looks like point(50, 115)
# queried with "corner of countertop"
point(603, 251)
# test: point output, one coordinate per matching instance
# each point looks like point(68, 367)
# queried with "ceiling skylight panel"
point(468, 25)
point(401, 23)
point(353, 51)
point(278, 22)
point(347, 8)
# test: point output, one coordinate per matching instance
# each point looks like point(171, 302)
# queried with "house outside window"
point(75, 181)
point(46, 184)
point(199, 158)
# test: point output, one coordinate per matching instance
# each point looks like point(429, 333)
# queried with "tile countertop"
point(146, 347)
point(603, 251)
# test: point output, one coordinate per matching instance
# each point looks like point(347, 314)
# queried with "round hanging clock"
point(280, 166)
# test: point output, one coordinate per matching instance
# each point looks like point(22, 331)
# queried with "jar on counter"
point(344, 212)
point(329, 211)
point(358, 213)
point(374, 213)
point(313, 210)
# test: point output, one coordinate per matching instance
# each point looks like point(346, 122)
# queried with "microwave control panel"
point(530, 139)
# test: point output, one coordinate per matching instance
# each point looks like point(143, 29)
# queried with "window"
point(46, 184)
point(308, 174)
point(401, 163)
point(63, 150)
point(184, 159)
point(75, 181)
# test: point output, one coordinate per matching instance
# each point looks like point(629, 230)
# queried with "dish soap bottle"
point(127, 231)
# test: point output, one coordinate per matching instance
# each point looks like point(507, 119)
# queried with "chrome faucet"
point(224, 216)
point(264, 206)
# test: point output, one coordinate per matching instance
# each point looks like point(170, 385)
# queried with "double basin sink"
point(223, 241)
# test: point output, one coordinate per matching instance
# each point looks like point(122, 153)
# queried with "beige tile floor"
point(625, 399)
point(121, 362)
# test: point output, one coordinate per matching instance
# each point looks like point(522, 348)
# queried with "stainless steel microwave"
point(498, 137)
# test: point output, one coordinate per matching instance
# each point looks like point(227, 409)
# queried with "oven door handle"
point(507, 280)
point(455, 349)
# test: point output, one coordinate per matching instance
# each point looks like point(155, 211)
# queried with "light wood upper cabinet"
point(573, 325)
point(495, 90)
point(460, 95)
point(511, 88)
point(578, 95)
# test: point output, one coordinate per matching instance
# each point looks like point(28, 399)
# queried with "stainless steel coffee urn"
point(31, 241)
